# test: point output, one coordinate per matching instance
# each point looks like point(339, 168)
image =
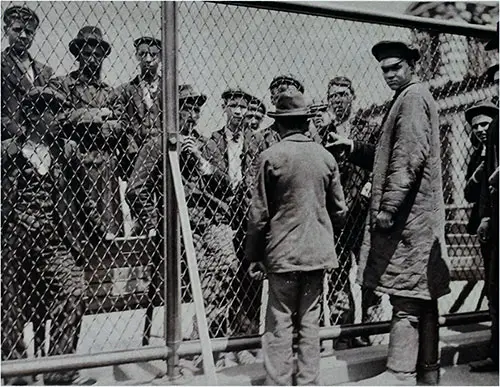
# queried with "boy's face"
point(20, 35)
point(189, 115)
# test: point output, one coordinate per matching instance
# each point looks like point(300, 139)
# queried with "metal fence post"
point(171, 248)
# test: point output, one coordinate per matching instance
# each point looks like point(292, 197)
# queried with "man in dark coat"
point(20, 72)
point(488, 228)
point(404, 251)
point(297, 199)
point(139, 101)
point(90, 121)
point(40, 276)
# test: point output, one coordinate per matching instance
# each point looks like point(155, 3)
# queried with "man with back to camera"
point(404, 251)
point(296, 201)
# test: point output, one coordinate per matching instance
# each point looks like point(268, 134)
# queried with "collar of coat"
point(297, 137)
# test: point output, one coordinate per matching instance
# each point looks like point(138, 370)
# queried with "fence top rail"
point(335, 11)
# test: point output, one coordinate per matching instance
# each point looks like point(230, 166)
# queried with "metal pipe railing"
point(68, 362)
point(171, 250)
point(337, 12)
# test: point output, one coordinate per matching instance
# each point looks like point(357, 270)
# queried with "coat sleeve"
point(409, 152)
point(473, 180)
point(363, 155)
point(258, 215)
point(335, 201)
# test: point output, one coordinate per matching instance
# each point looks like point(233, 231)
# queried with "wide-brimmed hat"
point(189, 95)
point(256, 104)
point(237, 93)
point(493, 43)
point(43, 97)
point(394, 49)
point(290, 103)
point(484, 107)
point(24, 14)
point(91, 35)
point(150, 41)
point(287, 79)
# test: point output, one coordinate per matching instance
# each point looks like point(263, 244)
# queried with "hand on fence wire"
point(90, 115)
point(339, 142)
point(257, 271)
point(493, 182)
point(384, 220)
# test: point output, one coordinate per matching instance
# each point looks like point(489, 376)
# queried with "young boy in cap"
point(40, 276)
point(404, 251)
point(255, 114)
point(20, 71)
point(139, 102)
point(296, 201)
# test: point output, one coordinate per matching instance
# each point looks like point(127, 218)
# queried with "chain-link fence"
point(82, 161)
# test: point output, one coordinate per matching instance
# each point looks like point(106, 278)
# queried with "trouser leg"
point(308, 319)
point(428, 355)
point(493, 299)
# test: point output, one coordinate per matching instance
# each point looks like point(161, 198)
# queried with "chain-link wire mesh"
point(81, 160)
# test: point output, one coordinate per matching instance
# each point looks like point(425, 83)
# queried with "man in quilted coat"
point(404, 252)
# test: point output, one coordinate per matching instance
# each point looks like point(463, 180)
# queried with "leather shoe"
point(484, 365)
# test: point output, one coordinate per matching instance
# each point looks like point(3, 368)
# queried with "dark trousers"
point(289, 293)
point(490, 260)
point(40, 281)
point(414, 336)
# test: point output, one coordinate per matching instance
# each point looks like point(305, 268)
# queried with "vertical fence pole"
point(171, 251)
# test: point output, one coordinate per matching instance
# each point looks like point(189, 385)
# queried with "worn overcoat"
point(410, 258)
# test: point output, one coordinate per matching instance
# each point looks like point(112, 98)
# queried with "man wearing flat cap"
point(139, 100)
point(280, 84)
point(20, 72)
point(234, 151)
point(91, 122)
point(488, 228)
point(255, 114)
point(296, 202)
point(40, 274)
point(404, 251)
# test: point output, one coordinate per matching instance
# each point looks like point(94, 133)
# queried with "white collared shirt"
point(234, 153)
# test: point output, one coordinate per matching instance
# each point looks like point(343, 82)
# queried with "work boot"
point(390, 378)
point(484, 365)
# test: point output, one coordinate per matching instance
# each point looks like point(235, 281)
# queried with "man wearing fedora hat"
point(488, 228)
point(90, 120)
point(296, 202)
point(41, 279)
point(20, 72)
point(404, 251)
point(139, 100)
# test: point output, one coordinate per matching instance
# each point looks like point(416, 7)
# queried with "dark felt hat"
point(24, 14)
point(150, 41)
point(43, 97)
point(91, 35)
point(287, 79)
point(493, 43)
point(394, 49)
point(236, 93)
point(290, 103)
point(188, 94)
point(490, 73)
point(257, 104)
point(484, 107)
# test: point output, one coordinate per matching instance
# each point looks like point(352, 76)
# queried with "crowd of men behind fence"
point(297, 193)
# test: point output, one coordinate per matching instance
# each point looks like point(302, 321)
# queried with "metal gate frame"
point(174, 348)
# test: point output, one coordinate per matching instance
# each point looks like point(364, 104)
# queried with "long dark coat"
point(15, 85)
point(409, 259)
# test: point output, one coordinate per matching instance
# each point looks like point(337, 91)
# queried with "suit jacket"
point(410, 258)
point(296, 201)
point(472, 188)
point(15, 85)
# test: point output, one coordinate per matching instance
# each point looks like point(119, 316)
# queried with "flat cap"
point(490, 73)
point(394, 49)
point(317, 106)
point(287, 79)
point(17, 12)
point(484, 107)
point(236, 93)
point(188, 94)
point(150, 41)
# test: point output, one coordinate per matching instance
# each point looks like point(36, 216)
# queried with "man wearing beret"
point(40, 275)
point(139, 100)
point(279, 84)
point(404, 251)
point(234, 151)
point(20, 72)
point(296, 201)
point(488, 227)
point(91, 122)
